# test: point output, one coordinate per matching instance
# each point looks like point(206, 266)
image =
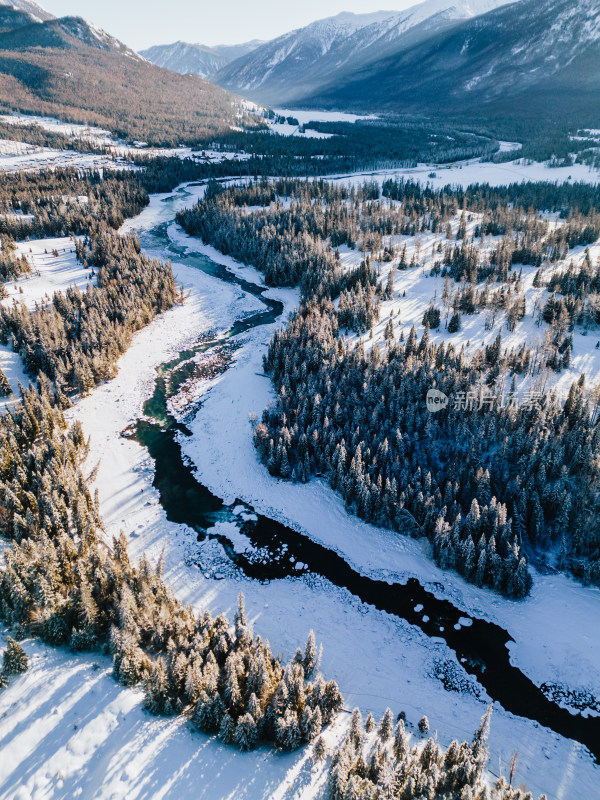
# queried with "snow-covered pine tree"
point(246, 734)
point(320, 749)
point(5, 387)
point(15, 659)
point(227, 729)
point(386, 726)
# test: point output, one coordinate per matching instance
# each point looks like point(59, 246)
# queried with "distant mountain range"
point(303, 62)
point(197, 59)
point(531, 58)
point(477, 59)
point(68, 68)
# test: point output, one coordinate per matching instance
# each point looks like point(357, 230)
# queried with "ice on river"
point(116, 750)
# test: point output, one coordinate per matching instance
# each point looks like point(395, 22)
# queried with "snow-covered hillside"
point(323, 51)
point(35, 11)
point(68, 730)
point(541, 53)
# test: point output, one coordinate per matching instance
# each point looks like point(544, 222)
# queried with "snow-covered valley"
point(300, 401)
point(377, 658)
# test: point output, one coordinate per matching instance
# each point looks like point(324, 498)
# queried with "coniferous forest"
point(300, 402)
point(485, 487)
point(62, 581)
point(484, 490)
point(77, 338)
point(376, 761)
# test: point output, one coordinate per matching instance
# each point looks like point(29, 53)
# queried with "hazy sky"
point(141, 23)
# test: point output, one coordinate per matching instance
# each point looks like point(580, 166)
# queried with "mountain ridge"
point(72, 70)
point(197, 59)
point(522, 58)
point(35, 11)
point(299, 62)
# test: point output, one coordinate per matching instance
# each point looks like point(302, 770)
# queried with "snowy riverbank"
point(117, 750)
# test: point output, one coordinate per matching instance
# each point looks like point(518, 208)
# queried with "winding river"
point(280, 552)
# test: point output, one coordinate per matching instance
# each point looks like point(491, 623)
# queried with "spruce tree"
point(5, 388)
point(386, 726)
point(400, 747)
point(246, 734)
point(320, 750)
point(15, 659)
point(454, 324)
point(355, 733)
point(227, 730)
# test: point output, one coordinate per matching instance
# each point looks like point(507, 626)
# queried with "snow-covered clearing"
point(305, 116)
point(117, 751)
point(98, 136)
point(54, 268)
point(21, 156)
point(463, 173)
point(509, 147)
point(283, 129)
point(12, 366)
point(10, 148)
point(50, 273)
point(30, 159)
point(26, 158)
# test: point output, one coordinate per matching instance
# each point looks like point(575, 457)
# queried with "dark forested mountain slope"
point(305, 60)
point(70, 69)
point(531, 57)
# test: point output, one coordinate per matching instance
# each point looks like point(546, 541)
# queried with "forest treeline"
point(484, 485)
point(361, 145)
point(77, 337)
point(63, 583)
point(67, 202)
point(376, 762)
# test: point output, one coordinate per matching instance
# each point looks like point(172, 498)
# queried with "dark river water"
point(280, 552)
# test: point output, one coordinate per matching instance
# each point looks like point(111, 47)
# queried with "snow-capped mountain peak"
point(356, 21)
point(36, 12)
point(197, 59)
point(93, 36)
point(312, 56)
point(533, 54)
